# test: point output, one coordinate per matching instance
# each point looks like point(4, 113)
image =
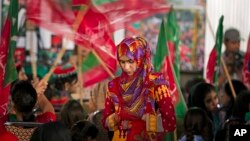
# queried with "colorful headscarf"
point(136, 48)
point(135, 89)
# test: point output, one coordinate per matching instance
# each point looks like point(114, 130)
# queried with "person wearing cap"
point(232, 56)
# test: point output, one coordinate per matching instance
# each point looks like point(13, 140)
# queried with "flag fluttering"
point(214, 61)
point(90, 25)
point(7, 65)
point(163, 60)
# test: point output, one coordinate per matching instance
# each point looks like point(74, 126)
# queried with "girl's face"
point(211, 101)
point(224, 98)
point(128, 65)
point(73, 86)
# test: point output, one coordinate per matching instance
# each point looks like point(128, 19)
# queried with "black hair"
point(198, 95)
point(83, 130)
point(60, 81)
point(24, 97)
point(197, 122)
point(241, 106)
point(72, 112)
point(238, 87)
point(52, 131)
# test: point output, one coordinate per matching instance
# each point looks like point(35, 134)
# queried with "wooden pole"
point(58, 58)
point(79, 73)
point(103, 64)
point(31, 29)
point(222, 60)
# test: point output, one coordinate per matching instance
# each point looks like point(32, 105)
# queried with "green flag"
point(166, 53)
point(11, 73)
point(163, 61)
point(214, 61)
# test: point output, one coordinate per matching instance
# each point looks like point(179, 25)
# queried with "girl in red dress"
point(138, 103)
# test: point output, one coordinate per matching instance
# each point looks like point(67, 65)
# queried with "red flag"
point(7, 68)
point(91, 26)
point(213, 64)
point(62, 20)
point(124, 12)
point(246, 66)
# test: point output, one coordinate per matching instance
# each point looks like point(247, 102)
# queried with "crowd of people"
point(138, 104)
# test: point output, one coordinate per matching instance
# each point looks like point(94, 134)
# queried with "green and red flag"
point(214, 61)
point(167, 54)
point(246, 66)
point(7, 65)
point(163, 60)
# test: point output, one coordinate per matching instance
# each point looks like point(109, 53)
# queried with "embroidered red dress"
point(139, 106)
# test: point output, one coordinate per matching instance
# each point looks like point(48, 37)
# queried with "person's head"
point(188, 88)
point(197, 122)
point(242, 105)
point(226, 95)
point(21, 73)
point(72, 112)
point(24, 98)
point(232, 40)
point(205, 97)
point(133, 55)
point(52, 131)
point(66, 79)
point(96, 118)
point(84, 131)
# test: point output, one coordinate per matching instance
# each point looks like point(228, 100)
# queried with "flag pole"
point(103, 64)
point(58, 58)
point(79, 73)
point(30, 27)
point(222, 60)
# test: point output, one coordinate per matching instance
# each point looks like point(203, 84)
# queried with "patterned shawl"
point(135, 90)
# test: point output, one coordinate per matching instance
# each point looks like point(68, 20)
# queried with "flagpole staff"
point(103, 64)
point(222, 60)
point(79, 73)
point(58, 58)
point(31, 27)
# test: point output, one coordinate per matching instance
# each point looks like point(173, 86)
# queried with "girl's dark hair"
point(72, 112)
point(60, 81)
point(241, 105)
point(83, 130)
point(199, 93)
point(238, 87)
point(24, 97)
point(52, 131)
point(197, 122)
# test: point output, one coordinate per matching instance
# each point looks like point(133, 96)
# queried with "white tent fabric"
point(236, 14)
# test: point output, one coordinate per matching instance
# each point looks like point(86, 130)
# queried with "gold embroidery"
point(161, 92)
